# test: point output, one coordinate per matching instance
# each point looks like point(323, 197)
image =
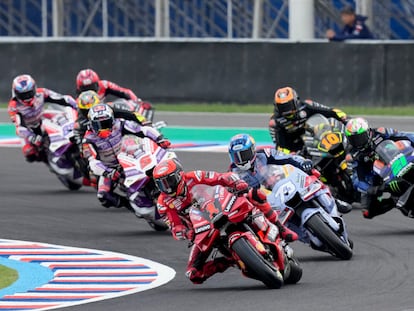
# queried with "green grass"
point(267, 108)
point(7, 276)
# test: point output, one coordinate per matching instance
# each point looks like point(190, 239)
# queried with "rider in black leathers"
point(363, 141)
point(287, 124)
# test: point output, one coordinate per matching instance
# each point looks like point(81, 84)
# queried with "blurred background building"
point(264, 19)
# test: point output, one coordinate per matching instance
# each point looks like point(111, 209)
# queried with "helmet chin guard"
point(245, 166)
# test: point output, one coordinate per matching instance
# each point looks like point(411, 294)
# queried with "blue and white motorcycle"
point(306, 206)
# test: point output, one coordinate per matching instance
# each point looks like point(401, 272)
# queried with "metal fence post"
point(44, 18)
point(57, 18)
point(257, 19)
point(105, 18)
point(301, 19)
point(229, 18)
point(166, 18)
point(365, 7)
point(158, 18)
point(162, 18)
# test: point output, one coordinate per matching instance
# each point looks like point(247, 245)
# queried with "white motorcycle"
point(138, 157)
point(306, 205)
point(57, 126)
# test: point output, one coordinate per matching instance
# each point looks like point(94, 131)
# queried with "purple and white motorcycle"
point(138, 157)
point(57, 126)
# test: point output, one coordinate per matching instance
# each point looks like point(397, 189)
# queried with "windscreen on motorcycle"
point(131, 144)
point(208, 201)
point(316, 120)
point(201, 193)
point(124, 105)
point(327, 135)
point(271, 174)
point(387, 151)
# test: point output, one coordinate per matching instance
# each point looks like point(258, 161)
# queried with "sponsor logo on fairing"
point(202, 228)
point(230, 204)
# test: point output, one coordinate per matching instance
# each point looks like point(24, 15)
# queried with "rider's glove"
point(181, 232)
point(307, 166)
point(76, 139)
point(114, 175)
point(164, 143)
point(69, 99)
point(344, 120)
point(146, 105)
point(315, 173)
point(241, 186)
point(36, 140)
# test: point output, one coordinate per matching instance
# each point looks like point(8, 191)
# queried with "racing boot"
point(210, 268)
point(285, 233)
point(112, 200)
point(343, 207)
point(378, 209)
point(258, 197)
point(30, 153)
point(86, 181)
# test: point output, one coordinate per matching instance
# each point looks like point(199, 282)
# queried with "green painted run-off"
point(189, 134)
point(7, 130)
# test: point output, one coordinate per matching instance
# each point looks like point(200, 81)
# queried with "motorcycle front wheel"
point(329, 238)
point(68, 183)
point(256, 265)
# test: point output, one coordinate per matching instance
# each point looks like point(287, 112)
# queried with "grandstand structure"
point(234, 19)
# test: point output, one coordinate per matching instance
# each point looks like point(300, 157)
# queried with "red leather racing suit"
point(176, 209)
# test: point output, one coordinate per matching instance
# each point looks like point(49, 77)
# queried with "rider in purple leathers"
point(102, 144)
point(25, 110)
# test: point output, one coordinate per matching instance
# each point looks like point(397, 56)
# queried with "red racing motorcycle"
point(231, 225)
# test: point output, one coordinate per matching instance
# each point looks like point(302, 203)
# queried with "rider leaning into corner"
point(287, 124)
point(102, 144)
point(84, 102)
point(247, 162)
point(25, 110)
point(90, 98)
point(175, 200)
point(363, 140)
point(87, 79)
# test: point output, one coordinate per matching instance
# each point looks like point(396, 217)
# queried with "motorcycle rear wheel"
point(256, 265)
point(295, 272)
point(157, 226)
point(329, 238)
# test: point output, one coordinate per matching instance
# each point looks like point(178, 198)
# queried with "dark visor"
point(242, 157)
point(286, 108)
point(359, 140)
point(168, 184)
point(89, 87)
point(101, 125)
point(26, 95)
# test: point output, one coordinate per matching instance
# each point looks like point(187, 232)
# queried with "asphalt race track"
point(36, 207)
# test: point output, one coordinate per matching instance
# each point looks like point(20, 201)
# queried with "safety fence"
point(388, 19)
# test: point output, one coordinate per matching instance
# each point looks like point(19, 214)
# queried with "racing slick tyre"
point(256, 265)
point(69, 184)
point(295, 273)
point(329, 238)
